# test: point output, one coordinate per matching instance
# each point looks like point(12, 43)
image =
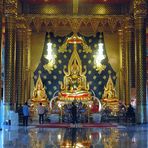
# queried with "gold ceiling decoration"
point(94, 24)
point(37, 23)
point(75, 24)
point(67, 24)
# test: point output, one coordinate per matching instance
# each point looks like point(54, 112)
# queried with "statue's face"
point(110, 87)
point(39, 86)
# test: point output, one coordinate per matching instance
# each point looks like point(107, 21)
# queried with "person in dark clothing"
point(74, 113)
point(25, 114)
point(130, 114)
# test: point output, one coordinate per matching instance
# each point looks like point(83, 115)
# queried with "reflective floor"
point(127, 136)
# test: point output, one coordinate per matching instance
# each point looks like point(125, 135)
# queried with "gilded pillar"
point(1, 16)
point(129, 30)
point(20, 60)
point(121, 70)
point(28, 70)
point(140, 12)
point(10, 48)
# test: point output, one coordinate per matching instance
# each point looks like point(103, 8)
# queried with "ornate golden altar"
point(75, 86)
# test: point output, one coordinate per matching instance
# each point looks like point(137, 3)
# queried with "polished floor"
point(122, 136)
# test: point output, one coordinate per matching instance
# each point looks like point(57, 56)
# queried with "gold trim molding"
point(74, 23)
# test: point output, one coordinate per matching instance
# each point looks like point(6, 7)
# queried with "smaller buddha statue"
point(109, 90)
point(109, 98)
point(39, 93)
point(38, 96)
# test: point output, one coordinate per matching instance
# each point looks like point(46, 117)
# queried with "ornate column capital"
point(10, 7)
point(140, 8)
point(21, 23)
point(129, 23)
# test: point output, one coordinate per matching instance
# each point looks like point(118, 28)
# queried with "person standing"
point(25, 114)
point(74, 113)
point(41, 111)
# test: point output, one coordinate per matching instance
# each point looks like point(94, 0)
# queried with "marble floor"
point(122, 136)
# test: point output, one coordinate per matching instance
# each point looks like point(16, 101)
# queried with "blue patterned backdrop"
point(52, 79)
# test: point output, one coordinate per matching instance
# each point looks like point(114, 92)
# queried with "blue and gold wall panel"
point(53, 78)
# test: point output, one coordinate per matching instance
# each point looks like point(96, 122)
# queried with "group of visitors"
point(41, 112)
point(73, 110)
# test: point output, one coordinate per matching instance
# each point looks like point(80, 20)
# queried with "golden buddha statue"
point(109, 90)
point(39, 94)
point(109, 98)
point(75, 86)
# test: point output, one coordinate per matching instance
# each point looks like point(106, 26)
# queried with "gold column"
point(140, 12)
point(129, 50)
point(121, 71)
point(1, 16)
point(28, 71)
point(10, 36)
point(20, 59)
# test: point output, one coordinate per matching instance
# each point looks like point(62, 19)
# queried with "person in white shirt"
point(41, 112)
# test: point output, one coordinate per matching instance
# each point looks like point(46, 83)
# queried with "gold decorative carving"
point(140, 8)
point(75, 38)
point(94, 23)
point(49, 66)
point(86, 48)
point(10, 7)
point(100, 68)
point(112, 23)
point(73, 23)
point(37, 23)
point(20, 23)
point(63, 48)
point(129, 22)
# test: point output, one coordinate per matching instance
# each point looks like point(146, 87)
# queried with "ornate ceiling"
point(80, 1)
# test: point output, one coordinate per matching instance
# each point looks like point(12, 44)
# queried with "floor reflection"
point(31, 137)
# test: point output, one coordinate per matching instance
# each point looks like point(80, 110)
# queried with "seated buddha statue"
point(74, 85)
point(75, 79)
point(109, 98)
point(109, 90)
point(39, 94)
